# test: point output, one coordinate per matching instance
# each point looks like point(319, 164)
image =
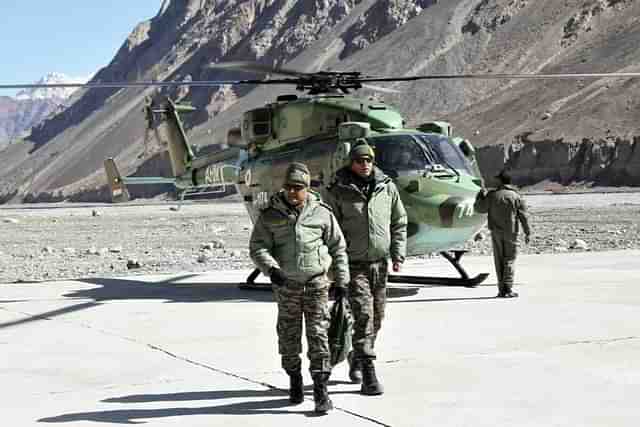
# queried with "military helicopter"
point(436, 172)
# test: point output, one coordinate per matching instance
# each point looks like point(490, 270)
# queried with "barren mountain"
point(18, 116)
point(30, 107)
point(562, 130)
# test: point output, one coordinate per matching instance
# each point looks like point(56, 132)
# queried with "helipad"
point(194, 350)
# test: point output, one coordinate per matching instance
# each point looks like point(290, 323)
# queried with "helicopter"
point(435, 171)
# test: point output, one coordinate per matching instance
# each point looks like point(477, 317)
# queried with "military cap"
point(361, 149)
point(297, 174)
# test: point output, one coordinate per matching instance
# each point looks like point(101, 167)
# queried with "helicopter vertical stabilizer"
point(117, 187)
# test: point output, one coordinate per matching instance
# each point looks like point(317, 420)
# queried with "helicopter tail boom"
point(118, 183)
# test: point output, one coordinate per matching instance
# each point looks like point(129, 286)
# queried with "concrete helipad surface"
point(194, 350)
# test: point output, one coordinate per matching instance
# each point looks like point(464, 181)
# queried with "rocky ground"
point(61, 241)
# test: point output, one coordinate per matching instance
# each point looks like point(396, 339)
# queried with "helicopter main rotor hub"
point(329, 82)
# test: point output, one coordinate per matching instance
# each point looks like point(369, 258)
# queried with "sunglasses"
point(363, 160)
point(294, 187)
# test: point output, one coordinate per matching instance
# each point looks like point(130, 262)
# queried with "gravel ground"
point(63, 241)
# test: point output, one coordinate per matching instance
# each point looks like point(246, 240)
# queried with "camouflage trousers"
point(505, 250)
point(367, 298)
point(311, 301)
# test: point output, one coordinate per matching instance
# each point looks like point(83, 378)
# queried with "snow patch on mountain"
point(58, 94)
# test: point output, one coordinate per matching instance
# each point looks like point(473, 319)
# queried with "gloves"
point(277, 277)
point(339, 292)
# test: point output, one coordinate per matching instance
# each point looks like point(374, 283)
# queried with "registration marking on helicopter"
point(261, 199)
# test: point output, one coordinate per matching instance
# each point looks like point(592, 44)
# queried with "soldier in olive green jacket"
point(295, 241)
point(507, 210)
point(373, 219)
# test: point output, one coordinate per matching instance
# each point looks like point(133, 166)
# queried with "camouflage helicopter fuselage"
point(435, 173)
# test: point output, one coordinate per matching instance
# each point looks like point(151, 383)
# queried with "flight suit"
point(303, 244)
point(507, 210)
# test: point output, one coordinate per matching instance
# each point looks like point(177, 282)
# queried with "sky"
point(72, 37)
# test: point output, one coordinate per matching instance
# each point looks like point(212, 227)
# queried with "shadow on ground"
point(273, 403)
point(178, 289)
point(175, 289)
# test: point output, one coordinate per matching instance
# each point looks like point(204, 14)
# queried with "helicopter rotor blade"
point(351, 80)
point(501, 76)
point(249, 66)
point(143, 84)
point(381, 89)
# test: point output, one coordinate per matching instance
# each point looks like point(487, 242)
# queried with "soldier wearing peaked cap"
point(507, 210)
point(295, 241)
point(368, 207)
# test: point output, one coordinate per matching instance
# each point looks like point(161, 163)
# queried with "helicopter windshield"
point(446, 151)
point(399, 153)
point(402, 153)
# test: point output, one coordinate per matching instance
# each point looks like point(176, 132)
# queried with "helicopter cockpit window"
point(398, 153)
point(446, 151)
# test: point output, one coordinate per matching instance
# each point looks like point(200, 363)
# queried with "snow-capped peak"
point(51, 93)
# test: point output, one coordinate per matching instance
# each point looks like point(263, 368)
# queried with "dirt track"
point(46, 242)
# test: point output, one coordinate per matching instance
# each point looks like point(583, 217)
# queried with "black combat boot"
point(501, 291)
point(355, 369)
point(370, 384)
point(296, 392)
point(508, 293)
point(321, 394)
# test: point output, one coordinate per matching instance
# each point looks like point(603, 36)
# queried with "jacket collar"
point(345, 177)
point(279, 203)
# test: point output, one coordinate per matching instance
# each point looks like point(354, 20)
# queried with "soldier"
point(507, 209)
point(368, 207)
point(294, 241)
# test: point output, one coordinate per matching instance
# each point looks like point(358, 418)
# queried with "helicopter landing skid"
point(454, 258)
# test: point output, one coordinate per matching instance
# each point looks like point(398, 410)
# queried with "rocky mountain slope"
point(563, 130)
point(18, 116)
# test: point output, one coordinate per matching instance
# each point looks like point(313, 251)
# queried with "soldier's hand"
point(396, 267)
point(277, 277)
point(527, 239)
